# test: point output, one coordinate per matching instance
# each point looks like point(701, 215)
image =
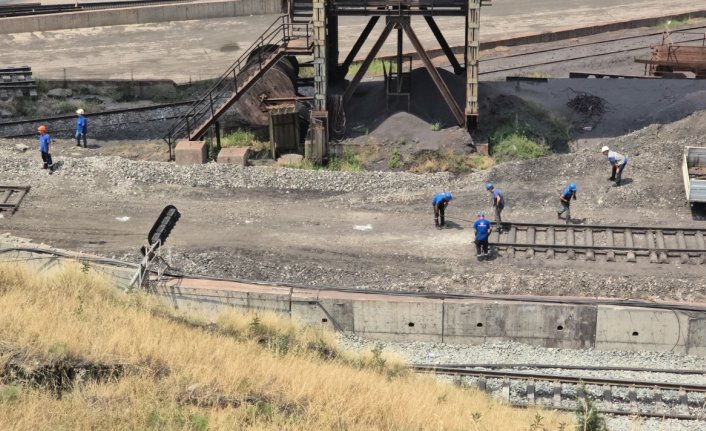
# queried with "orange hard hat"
point(42, 128)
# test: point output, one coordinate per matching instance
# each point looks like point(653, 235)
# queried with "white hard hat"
point(604, 149)
point(79, 111)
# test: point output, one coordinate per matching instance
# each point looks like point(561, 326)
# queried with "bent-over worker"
point(617, 164)
point(565, 200)
point(440, 202)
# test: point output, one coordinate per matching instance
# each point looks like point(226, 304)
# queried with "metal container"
point(694, 170)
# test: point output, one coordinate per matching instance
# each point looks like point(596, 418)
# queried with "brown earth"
point(375, 230)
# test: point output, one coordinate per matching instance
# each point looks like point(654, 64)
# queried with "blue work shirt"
point(81, 125)
point(617, 157)
point(568, 194)
point(44, 141)
point(496, 193)
point(482, 227)
point(439, 197)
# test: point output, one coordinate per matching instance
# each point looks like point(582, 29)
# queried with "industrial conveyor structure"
point(311, 28)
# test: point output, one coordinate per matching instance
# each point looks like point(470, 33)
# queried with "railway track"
point(609, 243)
point(12, 197)
point(581, 51)
point(28, 9)
point(616, 397)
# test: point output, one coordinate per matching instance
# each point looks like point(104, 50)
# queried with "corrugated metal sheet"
point(695, 188)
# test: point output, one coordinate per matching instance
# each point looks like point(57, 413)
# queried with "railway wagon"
point(694, 169)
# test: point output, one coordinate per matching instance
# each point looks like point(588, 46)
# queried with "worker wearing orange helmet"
point(44, 147)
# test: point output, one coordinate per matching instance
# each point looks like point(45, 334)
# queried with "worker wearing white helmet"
point(81, 128)
point(617, 164)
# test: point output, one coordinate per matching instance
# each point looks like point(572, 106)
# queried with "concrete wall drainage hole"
point(480, 325)
point(635, 334)
point(559, 328)
point(411, 324)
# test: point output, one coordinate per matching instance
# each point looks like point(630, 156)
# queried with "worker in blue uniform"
point(440, 202)
point(498, 201)
point(617, 164)
point(45, 147)
point(483, 230)
point(81, 128)
point(565, 198)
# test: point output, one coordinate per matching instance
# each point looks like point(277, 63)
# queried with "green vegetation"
point(435, 126)
point(123, 92)
point(395, 160)
point(517, 147)
point(377, 67)
point(349, 162)
point(587, 416)
point(66, 107)
point(674, 22)
point(238, 138)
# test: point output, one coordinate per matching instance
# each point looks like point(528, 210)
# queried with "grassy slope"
point(69, 314)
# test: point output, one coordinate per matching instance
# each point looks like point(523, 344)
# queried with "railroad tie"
point(659, 408)
point(511, 238)
point(630, 244)
point(482, 384)
point(506, 388)
point(530, 392)
point(550, 242)
point(570, 241)
point(662, 255)
point(632, 397)
point(651, 245)
point(681, 243)
point(530, 242)
point(702, 246)
point(588, 238)
point(557, 394)
point(683, 398)
point(610, 242)
point(607, 393)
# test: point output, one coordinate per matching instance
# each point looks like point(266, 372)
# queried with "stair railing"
point(205, 108)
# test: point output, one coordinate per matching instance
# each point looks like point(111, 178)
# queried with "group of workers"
point(45, 140)
point(483, 228)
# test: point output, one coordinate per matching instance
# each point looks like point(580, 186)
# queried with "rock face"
point(60, 93)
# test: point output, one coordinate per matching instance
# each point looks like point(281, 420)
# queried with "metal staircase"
point(301, 11)
point(285, 37)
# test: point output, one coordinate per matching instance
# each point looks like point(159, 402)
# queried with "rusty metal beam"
point(359, 43)
point(444, 45)
point(368, 60)
point(435, 76)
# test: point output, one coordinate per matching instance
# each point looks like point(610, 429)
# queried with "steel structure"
point(311, 28)
point(11, 197)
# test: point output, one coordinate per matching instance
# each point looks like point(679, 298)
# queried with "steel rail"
point(560, 378)
point(618, 39)
point(96, 114)
point(566, 60)
point(599, 228)
point(531, 379)
point(575, 367)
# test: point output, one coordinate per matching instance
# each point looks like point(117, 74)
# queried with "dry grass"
point(448, 161)
point(73, 313)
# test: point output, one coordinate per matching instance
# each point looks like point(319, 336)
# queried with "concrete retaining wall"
point(578, 325)
point(140, 15)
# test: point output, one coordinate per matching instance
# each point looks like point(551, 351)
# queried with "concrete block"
point(697, 337)
point(641, 329)
point(191, 153)
point(399, 319)
point(547, 325)
point(234, 156)
point(329, 308)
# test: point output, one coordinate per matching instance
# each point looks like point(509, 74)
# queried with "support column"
point(332, 47)
point(472, 55)
point(316, 146)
